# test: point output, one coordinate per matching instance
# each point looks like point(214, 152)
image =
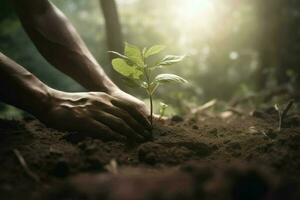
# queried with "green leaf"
point(144, 85)
point(163, 105)
point(134, 54)
point(170, 60)
point(154, 50)
point(168, 78)
point(122, 67)
point(118, 54)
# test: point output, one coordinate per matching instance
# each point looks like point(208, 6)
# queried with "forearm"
point(22, 89)
point(58, 41)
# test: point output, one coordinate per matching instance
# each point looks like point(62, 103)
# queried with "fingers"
point(126, 117)
point(118, 125)
point(99, 130)
point(134, 111)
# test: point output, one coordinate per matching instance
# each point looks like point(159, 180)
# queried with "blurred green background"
point(235, 48)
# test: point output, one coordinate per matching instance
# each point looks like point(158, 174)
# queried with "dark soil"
point(203, 157)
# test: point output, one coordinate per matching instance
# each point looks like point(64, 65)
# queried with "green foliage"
point(153, 50)
point(134, 66)
point(134, 55)
point(122, 67)
point(170, 60)
point(167, 78)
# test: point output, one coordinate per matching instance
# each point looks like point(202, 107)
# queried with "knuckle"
point(131, 106)
point(103, 95)
point(141, 110)
point(94, 101)
point(137, 105)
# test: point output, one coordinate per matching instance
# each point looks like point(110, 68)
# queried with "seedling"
point(283, 113)
point(162, 109)
point(135, 66)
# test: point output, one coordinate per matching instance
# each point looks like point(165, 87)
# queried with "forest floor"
point(204, 156)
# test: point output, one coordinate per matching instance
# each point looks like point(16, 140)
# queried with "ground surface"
point(237, 156)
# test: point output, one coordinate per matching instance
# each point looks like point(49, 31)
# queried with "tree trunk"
point(269, 40)
point(279, 43)
point(114, 35)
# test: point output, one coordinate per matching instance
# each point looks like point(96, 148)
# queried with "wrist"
point(41, 100)
point(113, 89)
point(105, 85)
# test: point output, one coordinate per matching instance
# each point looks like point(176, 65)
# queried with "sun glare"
point(195, 9)
point(197, 17)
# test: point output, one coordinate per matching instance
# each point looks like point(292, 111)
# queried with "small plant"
point(135, 66)
point(282, 114)
point(162, 109)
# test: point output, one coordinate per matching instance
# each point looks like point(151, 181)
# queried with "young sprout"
point(283, 113)
point(134, 65)
point(162, 109)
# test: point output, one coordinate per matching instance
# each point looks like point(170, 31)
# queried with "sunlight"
point(198, 16)
point(190, 9)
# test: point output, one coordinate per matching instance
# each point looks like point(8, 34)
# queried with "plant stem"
point(151, 110)
point(150, 96)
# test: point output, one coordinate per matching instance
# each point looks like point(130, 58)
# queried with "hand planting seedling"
point(135, 66)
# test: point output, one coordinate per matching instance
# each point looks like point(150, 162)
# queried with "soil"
point(228, 156)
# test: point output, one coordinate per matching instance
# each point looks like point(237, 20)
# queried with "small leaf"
point(134, 54)
point(154, 50)
point(170, 60)
point(163, 105)
point(118, 54)
point(144, 85)
point(168, 78)
point(121, 66)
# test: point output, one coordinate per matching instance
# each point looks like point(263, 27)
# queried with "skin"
point(106, 112)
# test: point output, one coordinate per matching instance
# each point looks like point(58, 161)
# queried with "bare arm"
point(96, 114)
point(61, 45)
point(21, 88)
point(57, 40)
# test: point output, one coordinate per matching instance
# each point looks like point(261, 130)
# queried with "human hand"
point(116, 116)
